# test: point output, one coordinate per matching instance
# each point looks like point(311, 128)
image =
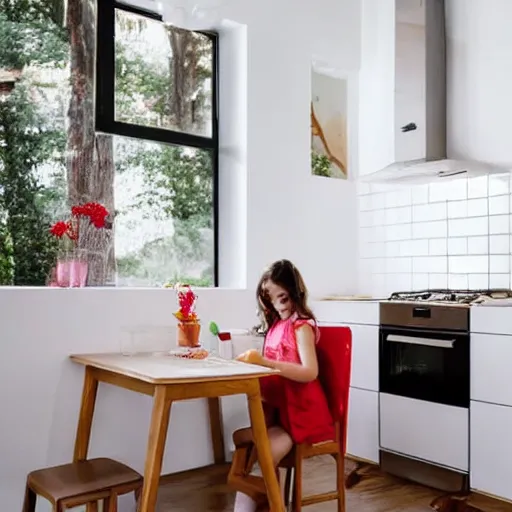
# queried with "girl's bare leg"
point(280, 444)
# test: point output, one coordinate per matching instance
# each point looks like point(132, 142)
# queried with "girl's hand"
point(252, 356)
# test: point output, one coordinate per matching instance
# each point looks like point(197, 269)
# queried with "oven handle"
point(429, 342)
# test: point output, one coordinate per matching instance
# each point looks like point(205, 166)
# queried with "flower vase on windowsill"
point(188, 327)
point(71, 272)
point(72, 268)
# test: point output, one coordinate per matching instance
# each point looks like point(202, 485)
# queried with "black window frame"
point(105, 121)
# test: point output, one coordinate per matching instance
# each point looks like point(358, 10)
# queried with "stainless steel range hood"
point(419, 98)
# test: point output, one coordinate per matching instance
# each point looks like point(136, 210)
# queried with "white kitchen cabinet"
point(491, 355)
point(491, 449)
point(334, 312)
point(491, 320)
point(363, 425)
point(424, 430)
point(365, 357)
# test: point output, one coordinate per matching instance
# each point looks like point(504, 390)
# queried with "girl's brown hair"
point(286, 275)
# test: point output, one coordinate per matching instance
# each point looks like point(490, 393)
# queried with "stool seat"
point(84, 479)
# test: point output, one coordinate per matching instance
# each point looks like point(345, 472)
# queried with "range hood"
point(416, 49)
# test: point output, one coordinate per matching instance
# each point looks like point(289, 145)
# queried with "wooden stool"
point(82, 483)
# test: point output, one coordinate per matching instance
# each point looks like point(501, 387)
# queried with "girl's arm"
point(307, 369)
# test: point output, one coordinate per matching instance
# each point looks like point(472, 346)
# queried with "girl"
point(295, 404)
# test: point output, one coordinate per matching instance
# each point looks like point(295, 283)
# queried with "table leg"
point(217, 431)
point(259, 432)
point(83, 433)
point(155, 451)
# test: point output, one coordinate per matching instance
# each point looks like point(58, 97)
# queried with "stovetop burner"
point(451, 296)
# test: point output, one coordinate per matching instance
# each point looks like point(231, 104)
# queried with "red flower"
point(59, 229)
point(96, 212)
point(186, 300)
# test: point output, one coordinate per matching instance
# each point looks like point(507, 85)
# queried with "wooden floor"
point(206, 491)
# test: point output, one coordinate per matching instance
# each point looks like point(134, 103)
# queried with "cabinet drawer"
point(491, 449)
point(341, 312)
point(365, 357)
point(363, 425)
point(491, 358)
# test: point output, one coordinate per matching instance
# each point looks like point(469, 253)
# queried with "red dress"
point(300, 408)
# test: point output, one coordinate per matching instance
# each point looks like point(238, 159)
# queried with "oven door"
point(426, 365)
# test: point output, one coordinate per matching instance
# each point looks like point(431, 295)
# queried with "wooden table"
point(168, 379)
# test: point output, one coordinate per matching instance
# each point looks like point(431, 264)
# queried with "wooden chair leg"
point(29, 503)
point(138, 494)
point(92, 506)
point(340, 481)
point(110, 503)
point(297, 482)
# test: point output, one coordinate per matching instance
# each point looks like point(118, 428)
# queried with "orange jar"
point(188, 334)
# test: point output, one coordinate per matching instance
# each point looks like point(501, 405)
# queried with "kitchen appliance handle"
point(413, 340)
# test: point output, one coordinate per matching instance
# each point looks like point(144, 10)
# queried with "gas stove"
point(448, 297)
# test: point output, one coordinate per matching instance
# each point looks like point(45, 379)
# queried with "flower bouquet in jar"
point(74, 234)
point(188, 322)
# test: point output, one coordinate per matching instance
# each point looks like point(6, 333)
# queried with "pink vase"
point(71, 274)
point(77, 273)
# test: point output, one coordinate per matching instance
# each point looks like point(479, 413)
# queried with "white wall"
point(457, 234)
point(289, 214)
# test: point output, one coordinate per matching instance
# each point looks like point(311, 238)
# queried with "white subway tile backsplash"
point(468, 227)
point(393, 249)
point(428, 212)
point(438, 281)
point(499, 224)
point(420, 194)
point(414, 248)
point(469, 208)
point(478, 281)
point(398, 232)
point(478, 245)
point(457, 246)
point(499, 280)
point(499, 264)
point(398, 265)
point(468, 264)
point(438, 247)
point(458, 281)
point(430, 264)
point(455, 234)
point(435, 229)
point(402, 197)
point(499, 205)
point(402, 215)
point(420, 281)
point(499, 244)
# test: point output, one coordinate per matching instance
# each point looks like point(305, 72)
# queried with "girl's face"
point(280, 300)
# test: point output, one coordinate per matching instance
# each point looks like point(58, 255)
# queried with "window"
point(118, 109)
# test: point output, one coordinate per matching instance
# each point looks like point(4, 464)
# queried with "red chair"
point(334, 359)
point(334, 353)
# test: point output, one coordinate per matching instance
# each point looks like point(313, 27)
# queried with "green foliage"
point(29, 35)
point(320, 164)
point(25, 143)
point(137, 78)
point(179, 182)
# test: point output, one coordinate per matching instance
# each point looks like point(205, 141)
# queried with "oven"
point(424, 385)
point(425, 362)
